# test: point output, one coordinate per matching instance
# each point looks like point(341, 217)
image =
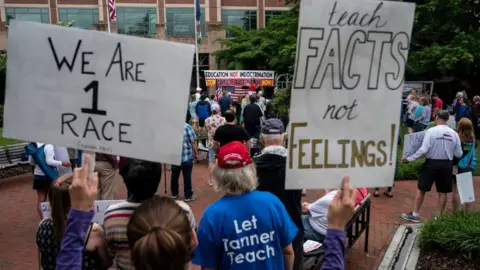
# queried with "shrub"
point(409, 171)
point(458, 233)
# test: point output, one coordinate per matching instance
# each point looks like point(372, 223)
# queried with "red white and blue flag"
point(112, 11)
point(235, 91)
point(198, 26)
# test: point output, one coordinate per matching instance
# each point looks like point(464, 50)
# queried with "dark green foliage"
point(445, 42)
point(269, 48)
point(281, 103)
point(458, 233)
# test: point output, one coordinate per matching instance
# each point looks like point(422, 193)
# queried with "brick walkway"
point(18, 222)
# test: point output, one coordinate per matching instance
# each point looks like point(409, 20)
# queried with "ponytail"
point(159, 236)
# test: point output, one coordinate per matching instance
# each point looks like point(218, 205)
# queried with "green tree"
point(446, 41)
point(272, 47)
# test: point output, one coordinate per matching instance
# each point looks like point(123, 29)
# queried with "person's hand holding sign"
point(342, 207)
point(83, 191)
point(66, 164)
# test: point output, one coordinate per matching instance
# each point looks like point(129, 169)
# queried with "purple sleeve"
point(71, 249)
point(334, 250)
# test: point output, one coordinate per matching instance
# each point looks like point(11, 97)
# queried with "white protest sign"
point(451, 122)
point(465, 187)
point(98, 92)
point(412, 142)
point(99, 208)
point(61, 154)
point(348, 82)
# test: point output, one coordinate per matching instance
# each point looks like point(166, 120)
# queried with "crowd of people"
point(447, 151)
point(147, 231)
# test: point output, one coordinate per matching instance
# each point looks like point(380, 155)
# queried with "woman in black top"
point(237, 107)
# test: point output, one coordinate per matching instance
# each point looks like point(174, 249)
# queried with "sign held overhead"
point(103, 93)
point(346, 93)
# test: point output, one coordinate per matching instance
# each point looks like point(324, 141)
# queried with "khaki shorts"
point(194, 119)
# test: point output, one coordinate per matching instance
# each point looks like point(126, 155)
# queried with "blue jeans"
point(186, 169)
point(309, 232)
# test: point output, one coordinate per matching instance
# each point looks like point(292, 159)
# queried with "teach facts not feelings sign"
point(346, 93)
point(94, 91)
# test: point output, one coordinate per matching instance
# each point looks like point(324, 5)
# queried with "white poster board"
point(412, 142)
point(465, 187)
point(349, 73)
point(98, 206)
point(451, 122)
point(90, 90)
point(61, 154)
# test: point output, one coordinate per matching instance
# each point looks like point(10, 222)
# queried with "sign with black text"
point(98, 92)
point(346, 92)
point(412, 142)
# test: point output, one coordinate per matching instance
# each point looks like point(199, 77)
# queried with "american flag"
point(235, 91)
point(198, 27)
point(112, 10)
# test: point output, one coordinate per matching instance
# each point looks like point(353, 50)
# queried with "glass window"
point(244, 18)
point(181, 22)
point(40, 15)
point(270, 13)
point(137, 21)
point(83, 17)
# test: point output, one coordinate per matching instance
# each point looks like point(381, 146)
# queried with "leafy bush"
point(458, 233)
point(281, 102)
point(409, 171)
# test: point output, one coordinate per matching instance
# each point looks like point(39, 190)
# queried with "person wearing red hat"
point(233, 232)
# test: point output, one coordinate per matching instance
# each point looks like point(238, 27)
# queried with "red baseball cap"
point(233, 155)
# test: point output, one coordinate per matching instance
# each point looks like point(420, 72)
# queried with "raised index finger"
point(83, 172)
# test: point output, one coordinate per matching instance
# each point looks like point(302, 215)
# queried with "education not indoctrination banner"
point(346, 94)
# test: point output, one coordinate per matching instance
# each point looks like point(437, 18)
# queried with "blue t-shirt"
point(247, 231)
point(225, 104)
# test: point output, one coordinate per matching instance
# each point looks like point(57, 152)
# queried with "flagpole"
point(108, 17)
point(196, 43)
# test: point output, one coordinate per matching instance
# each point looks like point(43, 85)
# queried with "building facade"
point(162, 19)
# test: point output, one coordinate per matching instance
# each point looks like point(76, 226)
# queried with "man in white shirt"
point(440, 145)
point(197, 95)
point(315, 223)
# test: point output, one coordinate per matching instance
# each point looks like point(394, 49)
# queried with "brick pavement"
point(18, 222)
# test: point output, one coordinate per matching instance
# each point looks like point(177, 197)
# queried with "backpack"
point(38, 155)
point(469, 113)
point(469, 161)
point(202, 110)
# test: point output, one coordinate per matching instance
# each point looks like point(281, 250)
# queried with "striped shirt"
point(115, 227)
point(440, 143)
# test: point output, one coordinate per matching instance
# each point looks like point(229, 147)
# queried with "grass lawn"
point(5, 141)
point(410, 170)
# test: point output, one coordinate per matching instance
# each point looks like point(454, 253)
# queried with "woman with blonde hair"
point(161, 236)
point(246, 228)
point(51, 231)
point(467, 163)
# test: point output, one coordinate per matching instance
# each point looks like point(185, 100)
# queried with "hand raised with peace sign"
point(82, 191)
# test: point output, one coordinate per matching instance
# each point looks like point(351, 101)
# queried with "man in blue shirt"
point(225, 102)
point(189, 154)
